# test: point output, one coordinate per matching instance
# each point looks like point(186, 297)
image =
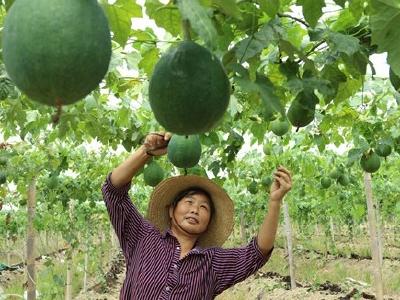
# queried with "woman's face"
point(192, 214)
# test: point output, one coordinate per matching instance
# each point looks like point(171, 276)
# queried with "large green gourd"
point(184, 151)
point(56, 51)
point(189, 90)
point(153, 174)
point(370, 162)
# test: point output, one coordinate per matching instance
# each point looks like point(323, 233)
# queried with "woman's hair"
point(194, 191)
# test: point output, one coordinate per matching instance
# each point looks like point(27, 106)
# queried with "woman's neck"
point(185, 240)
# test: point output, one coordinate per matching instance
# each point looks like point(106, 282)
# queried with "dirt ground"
point(263, 285)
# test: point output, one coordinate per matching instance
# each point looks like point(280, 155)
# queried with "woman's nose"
point(194, 209)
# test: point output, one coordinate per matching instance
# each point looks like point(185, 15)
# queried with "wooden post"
point(380, 230)
point(8, 252)
point(242, 228)
point(332, 229)
point(112, 240)
point(288, 231)
point(86, 263)
point(30, 241)
point(68, 284)
point(373, 234)
point(69, 252)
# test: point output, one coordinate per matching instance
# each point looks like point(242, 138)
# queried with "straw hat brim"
point(221, 223)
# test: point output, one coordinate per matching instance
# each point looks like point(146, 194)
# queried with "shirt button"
point(177, 248)
point(167, 288)
point(175, 266)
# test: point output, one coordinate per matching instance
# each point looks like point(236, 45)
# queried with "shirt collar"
point(196, 249)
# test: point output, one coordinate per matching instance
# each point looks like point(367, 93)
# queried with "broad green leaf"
point(356, 63)
point(199, 20)
point(119, 17)
point(340, 2)
point(246, 84)
point(271, 7)
point(234, 106)
point(321, 141)
point(253, 45)
point(344, 21)
point(356, 7)
point(347, 89)
point(123, 118)
point(90, 102)
point(295, 34)
point(8, 4)
point(229, 7)
point(392, 3)
point(297, 85)
point(149, 60)
point(343, 43)
point(289, 68)
point(288, 48)
point(165, 16)
point(266, 89)
point(133, 58)
point(386, 31)
point(333, 74)
point(258, 130)
point(312, 10)
point(354, 155)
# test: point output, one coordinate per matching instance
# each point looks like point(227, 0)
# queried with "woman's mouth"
point(192, 220)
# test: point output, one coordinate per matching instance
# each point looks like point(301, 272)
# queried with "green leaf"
point(340, 2)
point(199, 20)
point(229, 7)
point(385, 31)
point(165, 16)
point(357, 63)
point(149, 60)
point(392, 3)
point(333, 74)
point(123, 118)
point(258, 131)
point(343, 43)
point(321, 141)
point(345, 20)
point(354, 155)
point(356, 7)
point(253, 45)
point(347, 89)
point(312, 10)
point(234, 106)
point(119, 17)
point(8, 4)
point(266, 89)
point(271, 7)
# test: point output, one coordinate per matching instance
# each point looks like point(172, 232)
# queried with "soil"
point(260, 286)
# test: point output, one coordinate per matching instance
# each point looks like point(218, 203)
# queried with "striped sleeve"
point(128, 224)
point(231, 266)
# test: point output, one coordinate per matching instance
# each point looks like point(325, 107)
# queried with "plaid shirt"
point(154, 269)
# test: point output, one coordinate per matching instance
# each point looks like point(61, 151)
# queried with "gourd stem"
point(57, 115)
point(186, 30)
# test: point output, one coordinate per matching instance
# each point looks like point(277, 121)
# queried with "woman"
point(175, 253)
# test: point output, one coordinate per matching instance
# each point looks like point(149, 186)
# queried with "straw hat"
point(221, 223)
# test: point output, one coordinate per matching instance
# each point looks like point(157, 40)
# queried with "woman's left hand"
point(281, 185)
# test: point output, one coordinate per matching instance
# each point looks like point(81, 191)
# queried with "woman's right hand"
point(156, 143)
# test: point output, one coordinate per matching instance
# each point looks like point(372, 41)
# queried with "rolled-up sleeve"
point(234, 265)
point(128, 223)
